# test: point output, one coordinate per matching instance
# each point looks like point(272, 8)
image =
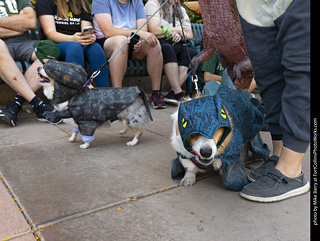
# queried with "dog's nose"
point(206, 152)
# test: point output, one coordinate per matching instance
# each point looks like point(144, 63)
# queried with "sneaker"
point(263, 169)
point(173, 99)
point(170, 98)
point(274, 186)
point(42, 107)
point(9, 113)
point(157, 101)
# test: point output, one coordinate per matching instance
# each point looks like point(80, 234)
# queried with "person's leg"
point(170, 67)
point(183, 74)
point(171, 71)
point(118, 64)
point(71, 52)
point(184, 55)
point(10, 73)
point(266, 62)
point(94, 53)
point(31, 74)
point(154, 61)
point(294, 45)
point(25, 86)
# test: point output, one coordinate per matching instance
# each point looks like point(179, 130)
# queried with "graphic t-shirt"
point(123, 16)
point(71, 24)
point(11, 7)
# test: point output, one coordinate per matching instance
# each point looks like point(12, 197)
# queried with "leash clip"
point(195, 81)
point(94, 74)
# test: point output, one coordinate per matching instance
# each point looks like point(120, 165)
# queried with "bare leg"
point(290, 162)
point(118, 64)
point(31, 74)
point(183, 74)
point(172, 73)
point(277, 147)
point(154, 60)
point(10, 73)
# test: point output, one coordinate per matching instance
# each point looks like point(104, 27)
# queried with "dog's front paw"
point(123, 131)
point(85, 145)
point(50, 116)
point(187, 181)
point(217, 163)
point(133, 142)
point(73, 137)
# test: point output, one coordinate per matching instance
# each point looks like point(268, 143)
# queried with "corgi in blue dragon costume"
point(210, 131)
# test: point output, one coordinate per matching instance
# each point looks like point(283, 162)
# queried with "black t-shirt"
point(70, 25)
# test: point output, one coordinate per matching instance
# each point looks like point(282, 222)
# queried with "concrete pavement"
point(53, 190)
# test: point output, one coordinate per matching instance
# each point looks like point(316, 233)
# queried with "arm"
point(154, 27)
point(17, 24)
point(105, 24)
point(49, 29)
point(208, 77)
point(92, 36)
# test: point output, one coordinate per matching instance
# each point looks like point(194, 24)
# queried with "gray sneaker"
point(263, 169)
point(274, 186)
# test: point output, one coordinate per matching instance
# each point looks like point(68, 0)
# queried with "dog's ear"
point(218, 135)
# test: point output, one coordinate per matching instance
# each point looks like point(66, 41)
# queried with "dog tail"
point(145, 100)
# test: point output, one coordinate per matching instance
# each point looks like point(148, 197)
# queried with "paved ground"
point(114, 192)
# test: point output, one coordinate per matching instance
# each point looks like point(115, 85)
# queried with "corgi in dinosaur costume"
point(215, 127)
point(91, 107)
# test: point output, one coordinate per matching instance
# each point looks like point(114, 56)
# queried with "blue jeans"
point(74, 52)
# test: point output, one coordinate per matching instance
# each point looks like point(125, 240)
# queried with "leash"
point(194, 75)
point(97, 72)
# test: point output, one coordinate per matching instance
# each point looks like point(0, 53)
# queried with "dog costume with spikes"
point(241, 120)
point(89, 108)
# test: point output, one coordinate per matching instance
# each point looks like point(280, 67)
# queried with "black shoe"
point(9, 113)
point(274, 186)
point(157, 101)
point(42, 107)
point(263, 169)
point(173, 99)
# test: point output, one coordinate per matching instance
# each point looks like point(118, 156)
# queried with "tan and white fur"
point(203, 149)
point(134, 117)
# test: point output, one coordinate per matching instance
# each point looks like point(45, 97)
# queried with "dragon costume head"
point(69, 79)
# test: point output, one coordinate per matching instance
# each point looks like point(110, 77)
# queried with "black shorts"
point(176, 53)
point(102, 40)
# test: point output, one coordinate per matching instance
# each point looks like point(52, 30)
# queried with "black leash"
point(193, 72)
